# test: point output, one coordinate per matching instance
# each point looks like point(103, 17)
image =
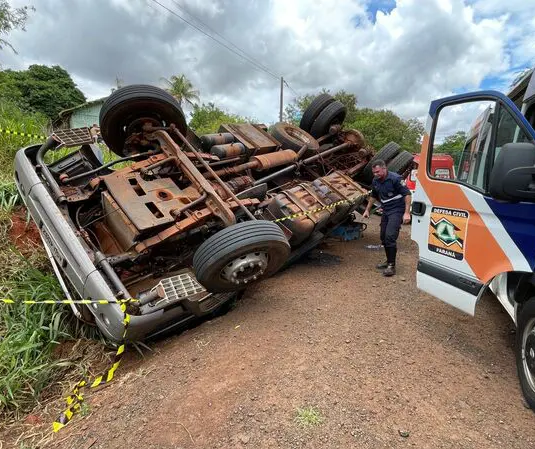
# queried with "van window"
point(466, 132)
point(508, 131)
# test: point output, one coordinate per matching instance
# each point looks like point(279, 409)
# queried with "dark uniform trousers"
point(390, 226)
point(391, 192)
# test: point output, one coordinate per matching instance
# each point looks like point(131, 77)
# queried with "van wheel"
point(525, 351)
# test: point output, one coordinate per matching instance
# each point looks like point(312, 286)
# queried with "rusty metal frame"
point(214, 202)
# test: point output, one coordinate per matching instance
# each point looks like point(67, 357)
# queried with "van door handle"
point(418, 208)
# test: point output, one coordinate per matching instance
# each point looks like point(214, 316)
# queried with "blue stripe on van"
point(518, 219)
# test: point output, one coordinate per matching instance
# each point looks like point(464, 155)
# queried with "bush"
point(14, 119)
point(28, 333)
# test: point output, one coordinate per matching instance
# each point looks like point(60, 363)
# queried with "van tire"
point(387, 153)
point(525, 329)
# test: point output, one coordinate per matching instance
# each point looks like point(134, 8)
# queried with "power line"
point(290, 87)
point(257, 65)
point(248, 56)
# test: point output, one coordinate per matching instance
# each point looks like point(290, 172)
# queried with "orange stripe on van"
point(482, 251)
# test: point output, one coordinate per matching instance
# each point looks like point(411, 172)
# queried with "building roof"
point(67, 112)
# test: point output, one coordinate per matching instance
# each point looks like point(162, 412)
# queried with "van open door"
point(466, 236)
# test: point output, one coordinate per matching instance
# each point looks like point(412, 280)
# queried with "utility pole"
point(280, 111)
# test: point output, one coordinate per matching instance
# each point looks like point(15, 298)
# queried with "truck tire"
point(120, 113)
point(293, 138)
point(525, 350)
point(401, 162)
point(332, 114)
point(311, 113)
point(239, 255)
point(387, 153)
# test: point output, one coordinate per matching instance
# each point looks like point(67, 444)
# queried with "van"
point(476, 230)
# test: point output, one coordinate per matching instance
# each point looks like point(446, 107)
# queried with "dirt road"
point(384, 364)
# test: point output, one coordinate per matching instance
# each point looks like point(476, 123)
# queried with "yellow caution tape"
point(17, 133)
point(76, 398)
point(319, 209)
point(68, 301)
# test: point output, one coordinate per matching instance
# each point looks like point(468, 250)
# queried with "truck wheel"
point(311, 113)
point(401, 162)
point(333, 114)
point(239, 255)
point(293, 138)
point(387, 153)
point(525, 350)
point(127, 109)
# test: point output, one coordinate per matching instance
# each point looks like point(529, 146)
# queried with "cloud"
point(391, 55)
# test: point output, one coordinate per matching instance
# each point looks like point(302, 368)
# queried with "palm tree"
point(181, 88)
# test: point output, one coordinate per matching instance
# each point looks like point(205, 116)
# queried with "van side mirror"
point(513, 175)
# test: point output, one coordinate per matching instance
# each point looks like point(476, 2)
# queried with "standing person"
point(95, 132)
point(395, 198)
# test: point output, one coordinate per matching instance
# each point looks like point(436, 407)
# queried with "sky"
point(394, 54)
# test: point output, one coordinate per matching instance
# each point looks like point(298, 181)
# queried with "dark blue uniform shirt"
point(391, 192)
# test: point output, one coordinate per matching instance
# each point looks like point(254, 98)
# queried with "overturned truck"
point(187, 221)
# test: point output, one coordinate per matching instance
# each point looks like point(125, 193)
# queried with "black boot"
point(384, 264)
point(390, 269)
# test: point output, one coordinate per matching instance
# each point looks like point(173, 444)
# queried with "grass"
point(9, 196)
point(308, 417)
point(30, 335)
point(13, 119)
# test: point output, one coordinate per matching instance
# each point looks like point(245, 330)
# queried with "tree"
point(453, 145)
point(182, 89)
point(207, 118)
point(41, 89)
point(382, 126)
point(119, 82)
point(11, 19)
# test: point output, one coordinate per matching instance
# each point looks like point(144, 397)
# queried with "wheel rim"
point(528, 352)
point(246, 268)
point(299, 135)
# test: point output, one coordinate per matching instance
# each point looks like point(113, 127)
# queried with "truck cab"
point(476, 230)
point(442, 166)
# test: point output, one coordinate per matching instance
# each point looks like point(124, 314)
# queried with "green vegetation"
point(14, 119)
point(382, 126)
point(11, 19)
point(43, 89)
point(29, 334)
point(207, 118)
point(453, 145)
point(378, 126)
point(295, 109)
point(181, 88)
point(308, 417)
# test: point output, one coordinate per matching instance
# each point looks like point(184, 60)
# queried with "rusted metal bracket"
point(214, 202)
